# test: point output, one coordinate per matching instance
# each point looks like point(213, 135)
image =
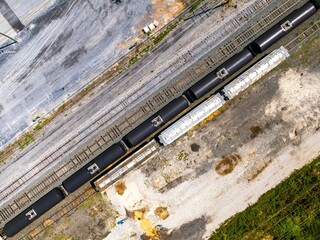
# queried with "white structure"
point(191, 119)
point(146, 29)
point(255, 72)
point(150, 27)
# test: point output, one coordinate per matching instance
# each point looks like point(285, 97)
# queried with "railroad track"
point(204, 11)
point(144, 154)
point(109, 177)
point(69, 205)
point(114, 132)
point(303, 37)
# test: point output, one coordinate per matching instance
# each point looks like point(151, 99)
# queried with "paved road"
point(61, 51)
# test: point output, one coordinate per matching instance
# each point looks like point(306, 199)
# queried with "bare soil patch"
point(227, 164)
point(195, 147)
point(120, 187)
point(162, 212)
point(255, 131)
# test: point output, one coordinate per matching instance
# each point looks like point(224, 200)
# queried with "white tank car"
point(191, 119)
point(212, 104)
point(254, 73)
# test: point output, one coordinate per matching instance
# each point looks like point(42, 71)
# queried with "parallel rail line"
point(113, 176)
point(144, 154)
point(304, 36)
point(68, 206)
point(138, 114)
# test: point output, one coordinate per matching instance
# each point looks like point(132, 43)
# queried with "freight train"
point(152, 125)
point(229, 91)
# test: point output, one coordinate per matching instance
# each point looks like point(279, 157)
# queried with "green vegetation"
point(182, 155)
point(308, 48)
point(155, 40)
point(1, 153)
point(90, 201)
point(195, 5)
point(47, 232)
point(139, 55)
point(291, 210)
point(67, 220)
point(165, 32)
point(41, 124)
point(26, 140)
point(62, 237)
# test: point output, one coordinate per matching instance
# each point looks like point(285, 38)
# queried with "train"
point(150, 127)
point(229, 91)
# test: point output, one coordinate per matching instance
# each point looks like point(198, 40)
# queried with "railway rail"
point(303, 37)
point(65, 209)
point(143, 154)
point(115, 131)
point(147, 152)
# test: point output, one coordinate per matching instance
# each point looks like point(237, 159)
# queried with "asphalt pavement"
point(63, 46)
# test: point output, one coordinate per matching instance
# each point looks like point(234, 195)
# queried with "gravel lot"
point(62, 49)
point(65, 62)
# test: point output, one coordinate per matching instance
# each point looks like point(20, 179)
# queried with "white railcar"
point(191, 119)
point(255, 72)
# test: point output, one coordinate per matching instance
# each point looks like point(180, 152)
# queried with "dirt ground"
point(88, 222)
point(217, 168)
point(220, 167)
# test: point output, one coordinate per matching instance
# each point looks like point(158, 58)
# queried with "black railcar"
point(79, 178)
point(214, 78)
point(109, 156)
point(153, 123)
point(278, 31)
point(41, 206)
point(91, 169)
point(316, 3)
point(163, 116)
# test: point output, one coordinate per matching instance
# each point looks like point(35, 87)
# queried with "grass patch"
point(61, 236)
point(157, 39)
point(67, 220)
point(195, 5)
point(139, 55)
point(291, 210)
point(47, 232)
point(40, 124)
point(26, 140)
point(90, 201)
point(182, 155)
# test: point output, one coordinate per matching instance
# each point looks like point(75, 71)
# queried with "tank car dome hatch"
point(214, 78)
